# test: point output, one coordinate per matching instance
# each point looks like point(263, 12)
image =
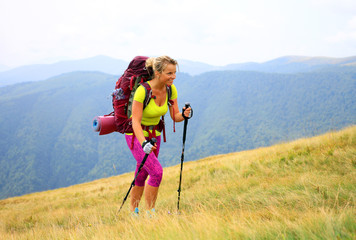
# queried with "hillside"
point(47, 141)
point(305, 189)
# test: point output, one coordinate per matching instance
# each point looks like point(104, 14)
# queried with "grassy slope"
point(305, 189)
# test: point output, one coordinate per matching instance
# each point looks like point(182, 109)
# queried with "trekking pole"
point(153, 141)
point(187, 105)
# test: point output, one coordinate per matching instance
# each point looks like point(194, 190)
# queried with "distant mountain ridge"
point(315, 60)
point(4, 68)
point(293, 64)
point(287, 64)
point(40, 72)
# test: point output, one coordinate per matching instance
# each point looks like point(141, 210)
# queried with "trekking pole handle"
point(153, 141)
point(187, 105)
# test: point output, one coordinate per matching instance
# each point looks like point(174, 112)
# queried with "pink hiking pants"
point(151, 168)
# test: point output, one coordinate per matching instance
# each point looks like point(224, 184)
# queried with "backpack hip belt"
point(151, 132)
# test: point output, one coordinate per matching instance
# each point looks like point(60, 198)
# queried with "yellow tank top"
point(152, 113)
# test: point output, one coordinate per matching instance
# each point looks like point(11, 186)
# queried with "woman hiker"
point(164, 73)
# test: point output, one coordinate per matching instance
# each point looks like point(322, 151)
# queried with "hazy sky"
point(217, 32)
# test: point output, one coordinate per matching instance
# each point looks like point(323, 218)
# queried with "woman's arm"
point(137, 109)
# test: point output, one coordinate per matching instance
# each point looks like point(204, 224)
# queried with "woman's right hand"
point(148, 147)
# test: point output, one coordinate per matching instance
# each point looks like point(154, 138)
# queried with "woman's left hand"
point(186, 112)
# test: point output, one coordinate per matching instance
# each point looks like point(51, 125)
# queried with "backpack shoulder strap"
point(169, 92)
point(170, 104)
point(148, 94)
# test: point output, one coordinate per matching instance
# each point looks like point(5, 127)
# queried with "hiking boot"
point(151, 213)
point(135, 213)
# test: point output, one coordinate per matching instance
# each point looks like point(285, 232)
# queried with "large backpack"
point(122, 97)
point(136, 74)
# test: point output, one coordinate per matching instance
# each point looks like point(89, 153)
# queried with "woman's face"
point(168, 75)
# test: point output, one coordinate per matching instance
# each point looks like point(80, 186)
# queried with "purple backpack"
point(136, 74)
point(122, 97)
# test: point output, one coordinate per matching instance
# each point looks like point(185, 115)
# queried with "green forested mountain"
point(47, 141)
point(245, 110)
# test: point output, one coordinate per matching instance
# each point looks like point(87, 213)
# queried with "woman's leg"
point(151, 196)
point(137, 190)
point(155, 171)
point(136, 194)
point(153, 168)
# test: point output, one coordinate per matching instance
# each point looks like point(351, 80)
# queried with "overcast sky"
point(217, 32)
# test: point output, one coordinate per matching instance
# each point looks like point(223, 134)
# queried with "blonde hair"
point(158, 64)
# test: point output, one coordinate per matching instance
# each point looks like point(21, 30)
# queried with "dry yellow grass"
point(299, 190)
